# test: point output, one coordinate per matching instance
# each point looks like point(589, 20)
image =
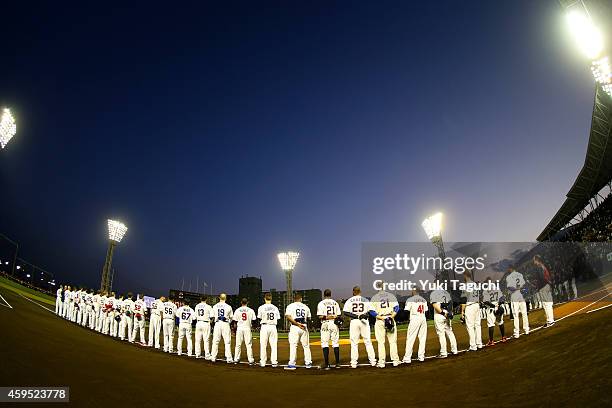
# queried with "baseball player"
point(102, 315)
point(116, 313)
point(493, 301)
point(68, 303)
point(222, 315)
point(127, 318)
point(268, 315)
point(443, 315)
point(168, 314)
point(203, 312)
point(545, 293)
point(65, 301)
point(244, 317)
point(386, 307)
point(416, 306)
point(358, 309)
point(88, 308)
point(186, 316)
point(95, 310)
point(109, 307)
point(58, 301)
point(514, 283)
point(155, 321)
point(76, 308)
point(470, 311)
point(140, 308)
point(328, 310)
point(298, 314)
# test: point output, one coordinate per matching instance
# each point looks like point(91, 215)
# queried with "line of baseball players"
point(114, 315)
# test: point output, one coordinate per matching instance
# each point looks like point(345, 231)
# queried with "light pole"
point(7, 127)
point(116, 231)
point(433, 229)
point(287, 262)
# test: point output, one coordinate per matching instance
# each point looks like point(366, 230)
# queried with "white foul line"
point(7, 303)
point(581, 309)
point(599, 308)
point(36, 303)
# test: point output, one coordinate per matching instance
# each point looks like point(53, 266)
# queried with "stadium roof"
point(596, 171)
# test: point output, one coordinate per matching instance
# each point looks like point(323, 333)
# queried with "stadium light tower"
point(8, 128)
point(287, 261)
point(433, 229)
point(116, 231)
point(590, 40)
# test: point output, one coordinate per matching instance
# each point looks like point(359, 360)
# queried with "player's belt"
point(204, 321)
point(268, 324)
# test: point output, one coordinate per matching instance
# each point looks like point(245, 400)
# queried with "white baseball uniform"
point(116, 313)
point(139, 321)
point(359, 305)
point(127, 319)
point(443, 326)
point(203, 312)
point(492, 296)
point(244, 317)
point(268, 315)
point(102, 315)
point(300, 313)
point(91, 317)
point(472, 319)
point(58, 302)
point(67, 304)
point(385, 305)
point(546, 297)
point(168, 314)
point(416, 306)
point(222, 313)
point(329, 329)
point(95, 316)
point(108, 314)
point(155, 322)
point(186, 315)
point(514, 283)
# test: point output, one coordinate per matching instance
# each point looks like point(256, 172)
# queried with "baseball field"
point(565, 365)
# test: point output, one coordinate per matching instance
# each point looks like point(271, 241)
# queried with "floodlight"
point(433, 225)
point(288, 260)
point(585, 33)
point(116, 230)
point(7, 127)
point(601, 70)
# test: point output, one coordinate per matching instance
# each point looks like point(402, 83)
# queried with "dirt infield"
point(566, 365)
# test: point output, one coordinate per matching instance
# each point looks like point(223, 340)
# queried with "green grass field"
point(27, 292)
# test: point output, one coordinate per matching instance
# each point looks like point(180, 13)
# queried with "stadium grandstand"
point(586, 214)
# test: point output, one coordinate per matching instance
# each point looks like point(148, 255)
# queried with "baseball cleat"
point(273, 365)
point(309, 365)
point(406, 361)
point(380, 365)
point(442, 356)
point(353, 365)
point(396, 363)
point(421, 359)
point(327, 367)
point(490, 343)
point(198, 356)
point(337, 366)
point(290, 367)
point(504, 339)
point(262, 365)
